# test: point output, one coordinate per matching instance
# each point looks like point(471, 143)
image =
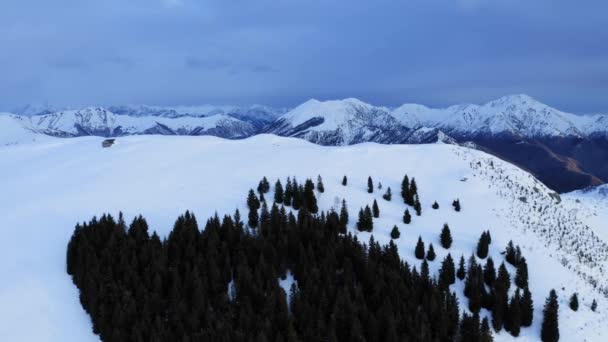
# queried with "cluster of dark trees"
point(221, 283)
point(409, 193)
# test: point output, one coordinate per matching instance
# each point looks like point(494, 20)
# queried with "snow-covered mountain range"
point(54, 184)
point(566, 151)
point(336, 122)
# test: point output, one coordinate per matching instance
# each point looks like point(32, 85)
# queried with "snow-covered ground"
point(591, 205)
point(49, 186)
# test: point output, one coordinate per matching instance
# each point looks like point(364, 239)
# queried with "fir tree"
point(361, 224)
point(344, 180)
point(253, 218)
point(413, 191)
point(485, 333)
point(521, 275)
point(500, 307)
point(435, 205)
point(407, 218)
point(514, 317)
point(456, 204)
point(417, 206)
point(550, 329)
point(527, 308)
point(446, 237)
point(320, 185)
point(503, 277)
point(461, 272)
point(395, 234)
point(388, 195)
point(252, 201)
point(379, 186)
point(405, 189)
point(419, 251)
point(344, 214)
point(447, 272)
point(574, 302)
point(489, 272)
point(482, 246)
point(375, 209)
point(369, 222)
point(263, 186)
point(297, 194)
point(593, 305)
point(278, 192)
point(310, 201)
point(370, 185)
point(288, 193)
point(430, 255)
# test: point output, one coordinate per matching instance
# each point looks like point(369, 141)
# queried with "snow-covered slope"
point(14, 131)
point(102, 122)
point(345, 122)
point(51, 186)
point(591, 205)
point(256, 115)
point(516, 114)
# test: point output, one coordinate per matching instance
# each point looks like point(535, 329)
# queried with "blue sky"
point(282, 52)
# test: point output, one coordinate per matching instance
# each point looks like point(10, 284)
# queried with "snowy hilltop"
point(56, 183)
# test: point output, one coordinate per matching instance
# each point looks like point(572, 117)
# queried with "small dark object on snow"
point(108, 143)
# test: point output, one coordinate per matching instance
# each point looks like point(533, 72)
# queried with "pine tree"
point(405, 189)
point(527, 308)
point(447, 272)
point(395, 234)
point(375, 209)
point(550, 328)
point(388, 195)
point(482, 246)
point(252, 201)
point(344, 180)
point(503, 277)
point(461, 272)
point(417, 206)
point(320, 185)
point(521, 275)
point(263, 186)
point(435, 205)
point(407, 218)
point(361, 224)
point(310, 201)
point(499, 307)
point(510, 254)
point(278, 192)
point(574, 302)
point(456, 204)
point(369, 222)
point(419, 251)
point(430, 255)
point(288, 193)
point(514, 316)
point(344, 214)
point(413, 190)
point(489, 272)
point(446, 237)
point(379, 186)
point(252, 222)
point(370, 185)
point(594, 306)
point(485, 333)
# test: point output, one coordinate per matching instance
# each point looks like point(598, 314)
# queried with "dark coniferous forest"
point(221, 283)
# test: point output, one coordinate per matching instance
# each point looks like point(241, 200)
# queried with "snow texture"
point(50, 185)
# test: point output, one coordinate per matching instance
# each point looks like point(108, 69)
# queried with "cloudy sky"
point(282, 52)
